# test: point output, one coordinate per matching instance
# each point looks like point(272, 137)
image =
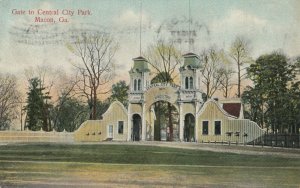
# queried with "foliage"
point(38, 115)
point(102, 107)
point(165, 59)
point(69, 114)
point(273, 99)
point(120, 92)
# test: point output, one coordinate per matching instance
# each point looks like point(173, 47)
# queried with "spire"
point(189, 25)
point(141, 7)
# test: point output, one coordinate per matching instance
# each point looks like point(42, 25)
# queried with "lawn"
point(121, 165)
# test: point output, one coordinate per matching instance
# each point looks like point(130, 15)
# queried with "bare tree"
point(96, 52)
point(165, 60)
point(9, 100)
point(239, 52)
point(212, 71)
point(226, 81)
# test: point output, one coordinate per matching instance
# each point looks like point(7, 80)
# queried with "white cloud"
point(238, 22)
point(239, 17)
point(129, 18)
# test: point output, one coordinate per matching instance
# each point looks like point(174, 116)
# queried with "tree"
point(226, 81)
point(9, 99)
point(239, 53)
point(272, 77)
point(38, 114)
point(69, 115)
point(164, 59)
point(119, 92)
point(96, 52)
point(212, 71)
point(165, 113)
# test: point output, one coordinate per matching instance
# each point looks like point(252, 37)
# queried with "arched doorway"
point(189, 128)
point(137, 127)
point(165, 119)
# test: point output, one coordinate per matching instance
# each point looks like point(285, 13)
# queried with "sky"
point(268, 25)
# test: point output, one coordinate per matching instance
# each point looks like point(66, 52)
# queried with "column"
point(196, 121)
point(129, 123)
point(144, 122)
point(181, 122)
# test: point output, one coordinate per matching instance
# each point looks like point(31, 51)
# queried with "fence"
point(35, 136)
point(290, 140)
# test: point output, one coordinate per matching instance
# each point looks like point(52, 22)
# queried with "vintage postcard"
point(149, 93)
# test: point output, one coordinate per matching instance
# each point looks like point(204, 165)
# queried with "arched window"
point(191, 83)
point(139, 84)
point(135, 84)
point(186, 83)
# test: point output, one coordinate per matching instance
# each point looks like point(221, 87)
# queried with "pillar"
point(197, 126)
point(181, 122)
point(129, 123)
point(144, 122)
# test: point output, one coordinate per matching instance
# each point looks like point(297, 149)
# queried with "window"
point(139, 84)
point(205, 127)
point(186, 82)
point(120, 127)
point(191, 83)
point(135, 85)
point(217, 127)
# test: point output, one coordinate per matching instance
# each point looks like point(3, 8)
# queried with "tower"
point(139, 75)
point(190, 73)
point(189, 97)
point(139, 80)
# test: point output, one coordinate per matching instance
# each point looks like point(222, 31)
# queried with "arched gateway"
point(186, 97)
point(195, 120)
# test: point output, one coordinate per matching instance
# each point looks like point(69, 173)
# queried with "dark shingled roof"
point(232, 108)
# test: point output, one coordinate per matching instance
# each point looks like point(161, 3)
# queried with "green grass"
point(137, 165)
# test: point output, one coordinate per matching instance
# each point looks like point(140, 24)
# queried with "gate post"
point(144, 122)
point(181, 123)
point(129, 123)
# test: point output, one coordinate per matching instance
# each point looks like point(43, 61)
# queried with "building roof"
point(232, 108)
point(140, 58)
point(189, 54)
point(191, 60)
point(140, 65)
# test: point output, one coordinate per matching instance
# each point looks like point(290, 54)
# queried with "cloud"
point(240, 18)
point(238, 22)
point(131, 19)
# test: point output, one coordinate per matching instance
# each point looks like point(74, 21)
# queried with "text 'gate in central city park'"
point(165, 111)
